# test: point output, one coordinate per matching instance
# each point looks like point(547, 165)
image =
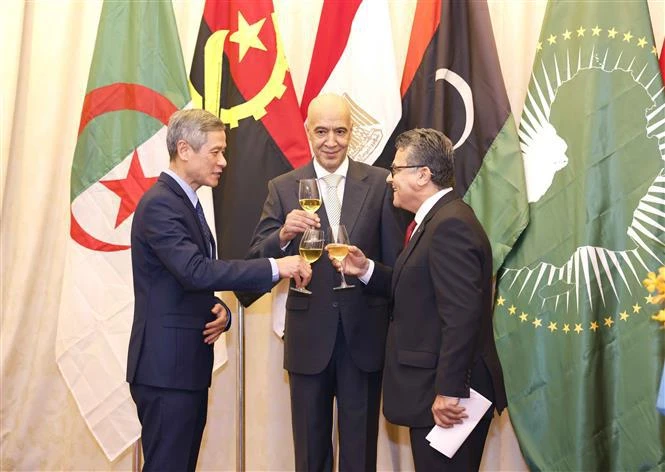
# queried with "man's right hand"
point(297, 221)
point(355, 262)
point(294, 267)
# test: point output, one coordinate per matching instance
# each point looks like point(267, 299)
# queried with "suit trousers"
point(172, 423)
point(358, 399)
point(466, 459)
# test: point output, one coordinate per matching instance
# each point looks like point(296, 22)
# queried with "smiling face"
point(205, 166)
point(329, 130)
point(405, 182)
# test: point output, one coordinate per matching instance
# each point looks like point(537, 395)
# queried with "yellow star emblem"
point(594, 326)
point(608, 322)
point(536, 323)
point(512, 309)
point(566, 328)
point(642, 42)
point(636, 308)
point(595, 31)
point(551, 39)
point(552, 327)
point(624, 316)
point(566, 34)
point(649, 298)
point(500, 301)
point(611, 33)
point(627, 37)
point(580, 32)
point(654, 51)
point(539, 46)
point(524, 317)
point(578, 328)
point(247, 36)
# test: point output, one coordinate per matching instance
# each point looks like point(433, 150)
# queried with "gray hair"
point(191, 126)
point(432, 149)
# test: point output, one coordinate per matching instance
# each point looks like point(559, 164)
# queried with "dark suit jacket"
point(174, 282)
point(311, 320)
point(440, 339)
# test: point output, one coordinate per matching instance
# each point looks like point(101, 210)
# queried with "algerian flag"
point(581, 357)
point(137, 80)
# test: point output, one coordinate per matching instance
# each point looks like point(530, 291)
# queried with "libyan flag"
point(452, 82)
point(239, 73)
point(582, 360)
point(137, 80)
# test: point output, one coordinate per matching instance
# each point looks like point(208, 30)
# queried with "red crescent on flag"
point(116, 97)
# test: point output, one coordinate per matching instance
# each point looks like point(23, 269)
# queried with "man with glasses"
point(440, 340)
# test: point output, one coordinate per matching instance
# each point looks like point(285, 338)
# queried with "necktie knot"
point(332, 180)
point(409, 232)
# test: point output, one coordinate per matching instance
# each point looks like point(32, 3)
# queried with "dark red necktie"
point(409, 232)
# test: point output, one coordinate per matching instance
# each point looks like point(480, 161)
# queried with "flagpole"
point(240, 391)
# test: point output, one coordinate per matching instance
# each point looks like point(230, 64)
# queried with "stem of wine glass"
point(343, 284)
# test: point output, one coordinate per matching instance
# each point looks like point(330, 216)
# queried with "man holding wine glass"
point(334, 339)
point(440, 341)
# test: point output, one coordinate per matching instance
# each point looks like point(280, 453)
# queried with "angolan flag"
point(137, 80)
point(452, 82)
point(240, 74)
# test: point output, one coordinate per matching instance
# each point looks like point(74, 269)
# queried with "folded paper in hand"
point(448, 440)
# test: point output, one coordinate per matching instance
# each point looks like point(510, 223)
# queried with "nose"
point(221, 160)
point(330, 139)
point(389, 178)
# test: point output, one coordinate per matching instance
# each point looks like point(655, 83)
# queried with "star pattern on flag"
point(247, 36)
point(130, 189)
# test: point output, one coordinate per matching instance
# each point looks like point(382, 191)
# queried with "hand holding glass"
point(338, 248)
point(311, 247)
point(309, 196)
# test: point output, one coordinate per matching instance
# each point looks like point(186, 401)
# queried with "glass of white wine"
point(338, 248)
point(311, 247)
point(309, 195)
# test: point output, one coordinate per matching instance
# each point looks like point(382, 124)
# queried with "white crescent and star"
point(467, 98)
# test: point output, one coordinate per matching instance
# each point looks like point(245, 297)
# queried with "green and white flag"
point(581, 357)
point(137, 80)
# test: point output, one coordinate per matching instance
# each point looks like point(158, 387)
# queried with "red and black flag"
point(452, 82)
point(239, 73)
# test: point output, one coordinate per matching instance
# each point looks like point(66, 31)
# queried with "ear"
point(424, 176)
point(183, 149)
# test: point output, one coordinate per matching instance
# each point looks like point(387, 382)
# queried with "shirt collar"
point(341, 170)
point(429, 203)
point(189, 191)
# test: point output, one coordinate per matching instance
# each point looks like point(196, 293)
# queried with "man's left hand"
point(214, 329)
point(447, 412)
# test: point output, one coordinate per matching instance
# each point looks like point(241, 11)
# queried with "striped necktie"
point(333, 205)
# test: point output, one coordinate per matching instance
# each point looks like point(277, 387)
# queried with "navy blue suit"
point(169, 366)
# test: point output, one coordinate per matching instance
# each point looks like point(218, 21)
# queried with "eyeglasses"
point(394, 168)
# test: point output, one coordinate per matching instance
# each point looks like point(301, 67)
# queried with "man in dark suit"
point(440, 339)
point(334, 340)
point(177, 318)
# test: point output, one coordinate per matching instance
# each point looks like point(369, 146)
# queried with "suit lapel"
point(355, 192)
point(415, 238)
point(175, 188)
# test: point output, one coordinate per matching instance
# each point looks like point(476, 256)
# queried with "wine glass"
point(309, 195)
point(311, 247)
point(338, 248)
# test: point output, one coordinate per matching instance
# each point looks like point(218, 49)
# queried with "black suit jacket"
point(311, 320)
point(174, 282)
point(440, 339)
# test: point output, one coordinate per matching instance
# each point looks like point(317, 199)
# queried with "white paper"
point(448, 440)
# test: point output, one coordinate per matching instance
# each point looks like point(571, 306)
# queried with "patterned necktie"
point(409, 232)
point(207, 235)
point(333, 205)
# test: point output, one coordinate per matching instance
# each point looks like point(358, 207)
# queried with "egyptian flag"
point(239, 73)
point(452, 82)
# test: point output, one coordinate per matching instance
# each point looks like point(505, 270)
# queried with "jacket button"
point(335, 304)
